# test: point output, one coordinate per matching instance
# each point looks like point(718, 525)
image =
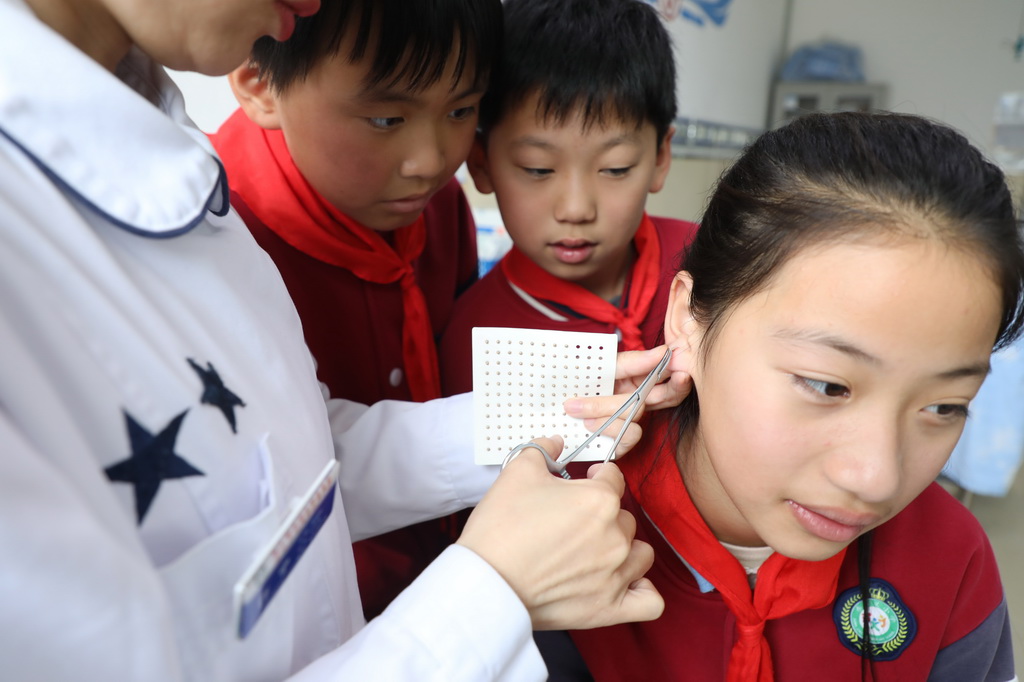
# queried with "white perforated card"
point(521, 377)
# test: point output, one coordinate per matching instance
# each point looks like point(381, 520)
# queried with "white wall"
point(946, 59)
point(208, 100)
point(724, 70)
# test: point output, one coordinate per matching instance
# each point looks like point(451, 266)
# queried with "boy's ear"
point(681, 329)
point(255, 96)
point(663, 161)
point(478, 167)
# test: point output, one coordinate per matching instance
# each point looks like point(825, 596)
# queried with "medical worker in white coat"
point(161, 425)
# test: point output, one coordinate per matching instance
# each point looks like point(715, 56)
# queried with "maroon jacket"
point(937, 576)
point(354, 327)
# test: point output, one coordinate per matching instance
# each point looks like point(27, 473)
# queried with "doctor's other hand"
point(565, 546)
point(631, 368)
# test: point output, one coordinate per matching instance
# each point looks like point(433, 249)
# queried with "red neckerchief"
point(784, 586)
point(261, 170)
point(644, 278)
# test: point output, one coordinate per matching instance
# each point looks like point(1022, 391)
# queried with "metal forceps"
point(632, 403)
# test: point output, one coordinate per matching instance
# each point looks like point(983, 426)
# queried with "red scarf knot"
point(751, 630)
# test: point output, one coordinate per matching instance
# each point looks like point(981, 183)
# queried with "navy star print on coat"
point(152, 461)
point(216, 393)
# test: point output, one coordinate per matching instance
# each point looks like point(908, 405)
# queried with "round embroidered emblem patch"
point(891, 625)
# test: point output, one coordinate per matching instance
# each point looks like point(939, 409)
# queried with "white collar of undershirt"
point(750, 558)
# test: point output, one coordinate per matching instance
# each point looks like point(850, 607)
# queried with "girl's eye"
point(822, 388)
point(385, 122)
point(462, 113)
point(538, 172)
point(949, 410)
point(617, 172)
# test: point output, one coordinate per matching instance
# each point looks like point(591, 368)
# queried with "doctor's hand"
point(631, 368)
point(565, 546)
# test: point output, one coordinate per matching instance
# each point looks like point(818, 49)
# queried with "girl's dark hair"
point(601, 58)
point(411, 41)
point(847, 176)
point(867, 662)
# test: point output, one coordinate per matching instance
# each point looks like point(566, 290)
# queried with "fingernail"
point(573, 405)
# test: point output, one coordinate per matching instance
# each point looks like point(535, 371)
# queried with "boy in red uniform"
point(576, 130)
point(837, 311)
point(341, 161)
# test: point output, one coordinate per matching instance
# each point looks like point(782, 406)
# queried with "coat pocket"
point(200, 585)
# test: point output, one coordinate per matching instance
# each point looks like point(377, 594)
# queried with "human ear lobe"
point(681, 330)
point(478, 166)
point(662, 161)
point(255, 96)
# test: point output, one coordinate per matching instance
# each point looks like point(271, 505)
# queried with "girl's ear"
point(681, 331)
point(662, 162)
point(255, 96)
point(478, 166)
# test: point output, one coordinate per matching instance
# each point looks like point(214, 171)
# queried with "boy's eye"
point(538, 172)
point(949, 410)
point(822, 388)
point(617, 172)
point(385, 122)
point(462, 113)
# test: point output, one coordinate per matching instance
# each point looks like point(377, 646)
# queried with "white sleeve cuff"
point(459, 621)
point(404, 462)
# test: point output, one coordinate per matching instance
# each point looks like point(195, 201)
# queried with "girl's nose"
point(869, 465)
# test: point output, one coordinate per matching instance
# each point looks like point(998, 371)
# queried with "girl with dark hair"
point(837, 310)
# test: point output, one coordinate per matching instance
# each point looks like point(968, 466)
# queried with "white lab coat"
point(120, 264)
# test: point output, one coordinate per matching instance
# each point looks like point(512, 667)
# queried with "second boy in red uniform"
point(576, 131)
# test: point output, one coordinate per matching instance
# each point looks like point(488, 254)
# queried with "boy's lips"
point(832, 524)
point(572, 251)
point(414, 203)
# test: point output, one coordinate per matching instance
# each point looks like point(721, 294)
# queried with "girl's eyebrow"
point(829, 340)
point(821, 338)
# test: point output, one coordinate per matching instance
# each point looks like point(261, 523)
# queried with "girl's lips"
point(287, 22)
point(572, 252)
point(287, 11)
point(834, 525)
point(303, 8)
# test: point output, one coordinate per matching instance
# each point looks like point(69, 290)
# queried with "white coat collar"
point(133, 155)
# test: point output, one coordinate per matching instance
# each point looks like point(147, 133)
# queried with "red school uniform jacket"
point(937, 605)
point(493, 302)
point(354, 328)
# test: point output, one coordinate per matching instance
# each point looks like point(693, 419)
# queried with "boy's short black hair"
point(406, 42)
point(599, 57)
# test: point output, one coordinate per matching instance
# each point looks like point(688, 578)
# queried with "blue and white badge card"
point(275, 562)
